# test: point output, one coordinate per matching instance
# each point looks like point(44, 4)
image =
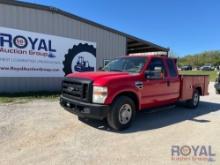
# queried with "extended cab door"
point(173, 78)
point(156, 92)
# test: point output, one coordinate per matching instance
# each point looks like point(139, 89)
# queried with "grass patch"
point(212, 74)
point(6, 100)
point(25, 97)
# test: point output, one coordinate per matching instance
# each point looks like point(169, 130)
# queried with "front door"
point(156, 91)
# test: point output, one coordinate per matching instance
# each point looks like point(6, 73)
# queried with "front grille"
point(77, 89)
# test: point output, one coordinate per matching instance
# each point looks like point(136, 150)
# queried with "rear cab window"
point(172, 68)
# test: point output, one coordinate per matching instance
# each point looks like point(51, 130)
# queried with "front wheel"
point(194, 102)
point(122, 113)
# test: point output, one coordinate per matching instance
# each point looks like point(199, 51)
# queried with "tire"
point(121, 114)
point(76, 49)
point(194, 102)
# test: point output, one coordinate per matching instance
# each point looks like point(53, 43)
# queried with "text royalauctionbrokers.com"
point(30, 69)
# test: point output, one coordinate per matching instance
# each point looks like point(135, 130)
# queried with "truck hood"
point(96, 75)
point(106, 78)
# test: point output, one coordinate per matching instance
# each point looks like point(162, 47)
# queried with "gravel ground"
point(41, 132)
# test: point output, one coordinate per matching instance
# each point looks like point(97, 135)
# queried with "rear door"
point(173, 80)
point(156, 92)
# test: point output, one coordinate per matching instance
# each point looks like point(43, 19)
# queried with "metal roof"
point(134, 44)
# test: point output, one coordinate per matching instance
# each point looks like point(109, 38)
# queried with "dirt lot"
point(41, 132)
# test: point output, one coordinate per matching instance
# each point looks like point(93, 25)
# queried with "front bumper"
point(82, 109)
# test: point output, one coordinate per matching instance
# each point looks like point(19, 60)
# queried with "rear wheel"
point(194, 102)
point(121, 114)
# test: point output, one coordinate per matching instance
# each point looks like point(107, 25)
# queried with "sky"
point(185, 26)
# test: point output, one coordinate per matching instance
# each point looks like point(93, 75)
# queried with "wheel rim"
point(125, 114)
point(195, 99)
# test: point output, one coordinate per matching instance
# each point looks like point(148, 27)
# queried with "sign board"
point(30, 54)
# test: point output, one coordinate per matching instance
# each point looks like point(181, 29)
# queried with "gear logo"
point(80, 58)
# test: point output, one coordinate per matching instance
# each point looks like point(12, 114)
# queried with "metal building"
point(30, 17)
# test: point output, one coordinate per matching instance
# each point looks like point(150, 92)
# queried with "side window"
point(172, 68)
point(105, 62)
point(157, 65)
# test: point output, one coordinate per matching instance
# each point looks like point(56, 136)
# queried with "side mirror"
point(153, 75)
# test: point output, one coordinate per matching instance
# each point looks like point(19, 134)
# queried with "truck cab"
point(127, 85)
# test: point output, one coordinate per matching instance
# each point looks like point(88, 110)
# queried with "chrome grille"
point(78, 89)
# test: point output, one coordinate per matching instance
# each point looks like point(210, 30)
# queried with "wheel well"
point(199, 89)
point(131, 95)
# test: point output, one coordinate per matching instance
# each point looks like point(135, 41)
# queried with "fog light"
point(68, 105)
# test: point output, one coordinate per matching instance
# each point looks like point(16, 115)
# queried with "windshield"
point(130, 64)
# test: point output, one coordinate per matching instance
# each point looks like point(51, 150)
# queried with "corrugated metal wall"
point(109, 44)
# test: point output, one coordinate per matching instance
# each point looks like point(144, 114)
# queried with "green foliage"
point(25, 97)
point(207, 57)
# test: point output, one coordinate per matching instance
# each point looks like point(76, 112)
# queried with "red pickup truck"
point(127, 85)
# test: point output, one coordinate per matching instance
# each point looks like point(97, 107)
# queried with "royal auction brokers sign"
point(29, 54)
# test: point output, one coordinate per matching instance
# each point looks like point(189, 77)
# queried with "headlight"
point(99, 94)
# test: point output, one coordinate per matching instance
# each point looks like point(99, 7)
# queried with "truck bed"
point(188, 83)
